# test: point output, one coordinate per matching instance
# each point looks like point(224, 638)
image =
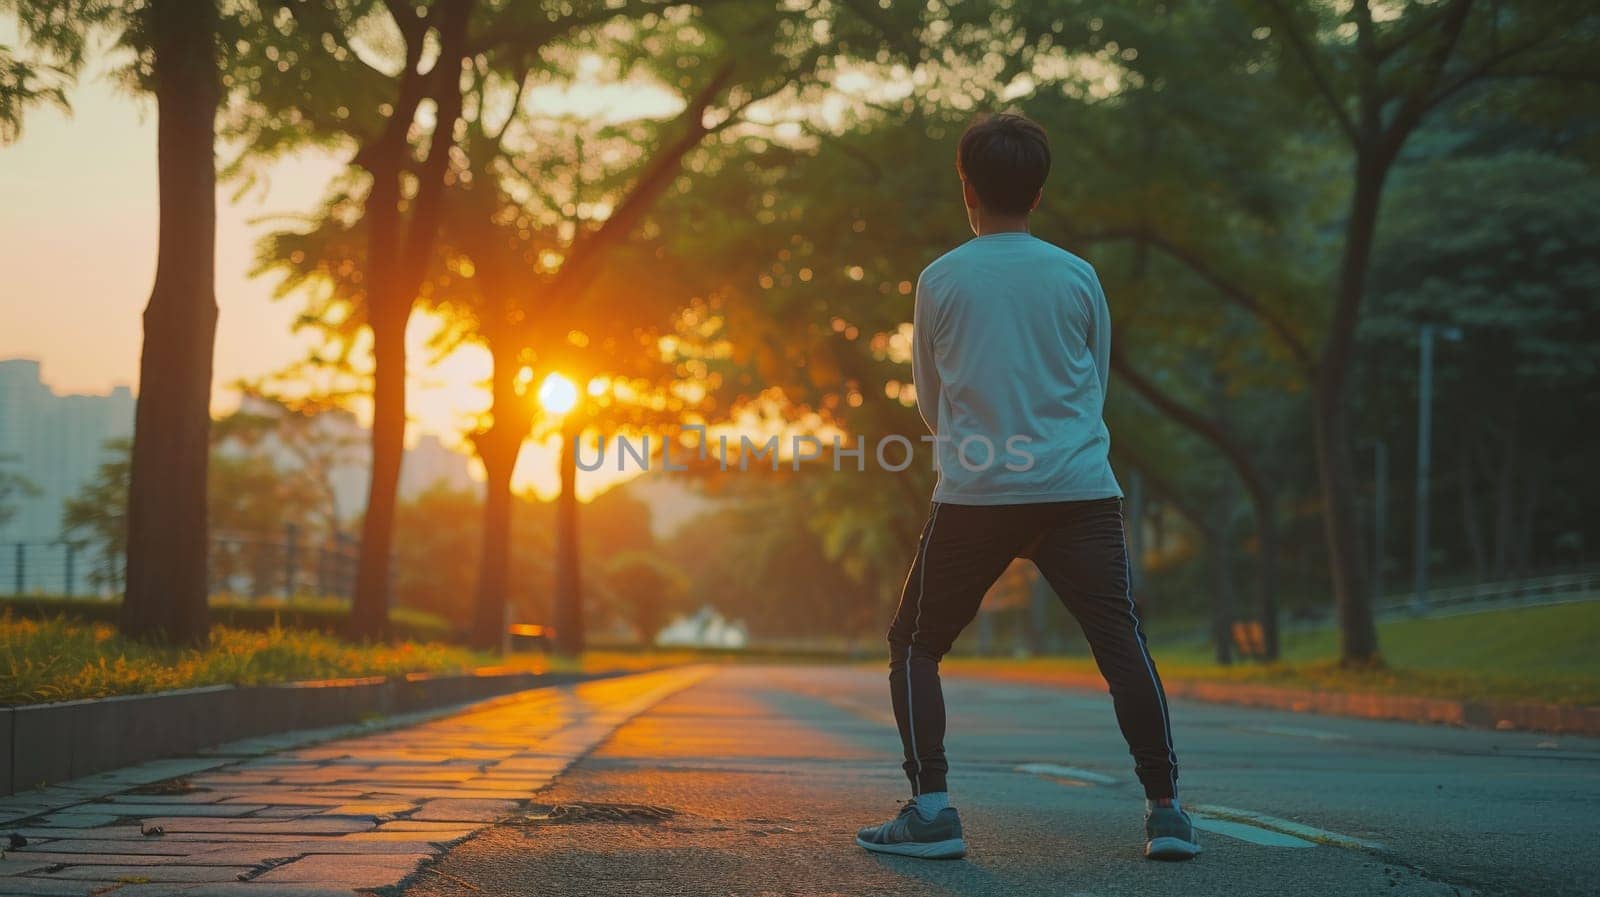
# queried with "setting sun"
point(557, 394)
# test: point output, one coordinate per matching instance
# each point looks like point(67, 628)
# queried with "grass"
point(1543, 654)
point(1536, 654)
point(61, 659)
point(301, 612)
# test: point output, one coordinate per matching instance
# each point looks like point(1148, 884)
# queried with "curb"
point(41, 744)
point(1501, 715)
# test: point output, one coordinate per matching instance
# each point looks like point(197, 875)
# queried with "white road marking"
point(1285, 825)
point(1264, 837)
point(1297, 732)
point(1067, 772)
point(1245, 825)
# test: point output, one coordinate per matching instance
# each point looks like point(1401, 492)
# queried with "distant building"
point(56, 441)
point(672, 502)
point(428, 464)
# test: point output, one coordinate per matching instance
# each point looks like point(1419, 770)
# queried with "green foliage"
point(317, 437)
point(1501, 246)
point(1506, 247)
point(98, 516)
point(437, 571)
point(774, 557)
point(249, 497)
point(646, 590)
point(55, 35)
point(13, 487)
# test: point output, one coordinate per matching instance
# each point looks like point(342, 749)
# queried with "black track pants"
point(1079, 548)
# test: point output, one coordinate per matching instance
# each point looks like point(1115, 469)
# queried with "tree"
point(1284, 74)
point(98, 516)
point(176, 60)
point(555, 213)
point(396, 256)
point(376, 110)
point(54, 36)
point(13, 487)
point(167, 536)
point(648, 590)
point(249, 500)
point(757, 556)
point(1169, 237)
point(490, 276)
point(376, 249)
point(435, 574)
point(253, 505)
point(1376, 79)
point(1496, 243)
point(313, 433)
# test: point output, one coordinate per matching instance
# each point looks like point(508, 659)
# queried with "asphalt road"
point(763, 774)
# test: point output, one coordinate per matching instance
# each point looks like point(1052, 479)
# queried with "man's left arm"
point(1100, 334)
point(924, 371)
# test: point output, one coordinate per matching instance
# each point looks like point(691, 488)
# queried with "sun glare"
point(557, 394)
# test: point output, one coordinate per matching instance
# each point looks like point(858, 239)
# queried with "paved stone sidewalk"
point(333, 818)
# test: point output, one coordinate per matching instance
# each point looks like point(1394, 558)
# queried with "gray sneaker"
point(1170, 834)
point(909, 835)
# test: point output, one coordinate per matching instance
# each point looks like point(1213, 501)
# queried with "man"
point(1011, 343)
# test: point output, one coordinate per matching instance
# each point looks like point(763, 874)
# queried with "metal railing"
point(55, 567)
point(1555, 589)
point(246, 565)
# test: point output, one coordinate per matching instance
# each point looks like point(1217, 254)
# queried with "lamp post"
point(1425, 450)
point(1380, 513)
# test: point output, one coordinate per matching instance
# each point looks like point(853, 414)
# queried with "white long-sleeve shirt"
point(1011, 348)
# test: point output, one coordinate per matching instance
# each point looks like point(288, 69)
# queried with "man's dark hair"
point(1005, 158)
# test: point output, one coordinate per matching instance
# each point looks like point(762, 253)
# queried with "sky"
point(78, 221)
point(78, 217)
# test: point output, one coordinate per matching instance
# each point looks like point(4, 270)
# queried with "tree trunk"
point(498, 446)
point(569, 585)
point(1267, 574)
point(369, 613)
point(1222, 603)
point(398, 249)
point(1358, 634)
point(167, 535)
point(494, 563)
